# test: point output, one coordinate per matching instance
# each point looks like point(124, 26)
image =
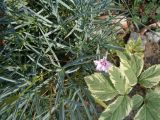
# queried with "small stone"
point(134, 36)
point(156, 38)
point(149, 36)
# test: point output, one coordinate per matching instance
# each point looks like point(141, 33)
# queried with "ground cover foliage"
point(128, 87)
point(47, 47)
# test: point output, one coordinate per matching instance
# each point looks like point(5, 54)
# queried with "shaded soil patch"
point(151, 54)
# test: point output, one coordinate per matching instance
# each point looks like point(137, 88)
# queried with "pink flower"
point(102, 65)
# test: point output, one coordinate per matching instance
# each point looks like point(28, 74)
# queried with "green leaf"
point(117, 110)
point(144, 19)
point(135, 47)
point(125, 67)
point(137, 101)
point(150, 109)
point(150, 77)
point(101, 103)
point(158, 10)
point(158, 17)
point(137, 64)
point(100, 86)
point(118, 79)
point(9, 100)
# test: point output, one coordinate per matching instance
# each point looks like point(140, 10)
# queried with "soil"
point(151, 54)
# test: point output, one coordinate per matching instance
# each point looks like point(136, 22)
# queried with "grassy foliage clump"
point(47, 48)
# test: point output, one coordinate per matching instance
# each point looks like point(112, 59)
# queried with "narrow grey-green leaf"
point(64, 4)
point(6, 79)
point(100, 86)
point(150, 77)
point(150, 109)
point(119, 80)
point(117, 110)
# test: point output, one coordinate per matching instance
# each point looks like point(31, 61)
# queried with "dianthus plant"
point(128, 88)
